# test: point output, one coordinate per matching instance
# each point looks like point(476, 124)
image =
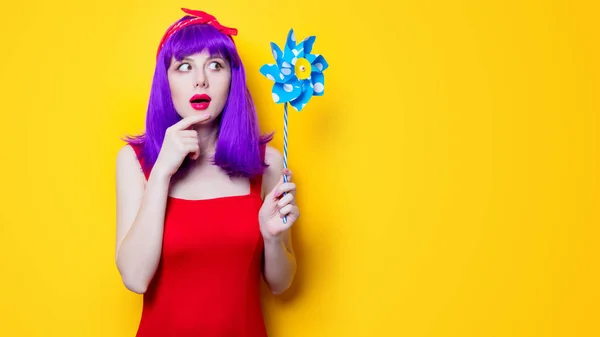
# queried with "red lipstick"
point(200, 102)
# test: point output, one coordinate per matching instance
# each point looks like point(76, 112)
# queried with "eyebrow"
point(216, 56)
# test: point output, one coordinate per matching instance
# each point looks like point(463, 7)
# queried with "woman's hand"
point(178, 143)
point(275, 206)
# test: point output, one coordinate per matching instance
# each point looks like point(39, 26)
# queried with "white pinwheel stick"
point(285, 147)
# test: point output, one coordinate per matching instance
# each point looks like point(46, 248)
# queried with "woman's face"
point(199, 84)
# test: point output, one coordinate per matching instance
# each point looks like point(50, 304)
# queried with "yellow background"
point(448, 179)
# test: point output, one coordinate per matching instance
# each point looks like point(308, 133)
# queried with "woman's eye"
point(184, 67)
point(214, 65)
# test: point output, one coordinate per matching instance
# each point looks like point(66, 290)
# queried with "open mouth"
point(200, 102)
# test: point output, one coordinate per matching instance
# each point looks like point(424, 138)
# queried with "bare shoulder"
point(125, 155)
point(128, 167)
point(274, 159)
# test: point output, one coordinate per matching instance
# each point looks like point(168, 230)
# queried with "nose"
point(201, 81)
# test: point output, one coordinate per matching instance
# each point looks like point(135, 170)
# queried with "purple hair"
point(238, 149)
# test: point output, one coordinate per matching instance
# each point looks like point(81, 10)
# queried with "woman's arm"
point(141, 209)
point(140, 220)
point(280, 261)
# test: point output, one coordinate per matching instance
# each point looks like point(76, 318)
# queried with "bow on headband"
point(199, 17)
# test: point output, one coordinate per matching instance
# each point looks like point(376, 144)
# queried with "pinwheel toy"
point(298, 75)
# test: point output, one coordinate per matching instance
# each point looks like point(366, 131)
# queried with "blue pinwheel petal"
point(311, 57)
point(299, 51)
point(307, 92)
point(319, 64)
point(288, 58)
point(272, 72)
point(308, 44)
point(287, 73)
point(291, 40)
point(285, 92)
point(292, 51)
point(277, 53)
point(291, 55)
point(318, 82)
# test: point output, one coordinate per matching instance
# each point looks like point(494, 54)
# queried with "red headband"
point(199, 18)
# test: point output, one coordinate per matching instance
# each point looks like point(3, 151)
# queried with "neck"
point(207, 138)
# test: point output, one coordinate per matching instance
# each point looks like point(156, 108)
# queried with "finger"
point(188, 133)
point(287, 199)
point(287, 210)
point(288, 173)
point(193, 150)
point(295, 213)
point(191, 147)
point(189, 140)
point(285, 188)
point(189, 121)
point(274, 192)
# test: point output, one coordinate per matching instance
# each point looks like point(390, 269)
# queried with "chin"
point(188, 112)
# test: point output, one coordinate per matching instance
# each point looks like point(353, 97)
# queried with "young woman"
point(200, 194)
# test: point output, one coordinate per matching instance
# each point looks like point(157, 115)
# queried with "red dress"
point(208, 280)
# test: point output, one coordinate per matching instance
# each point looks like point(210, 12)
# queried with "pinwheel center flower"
point(303, 68)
